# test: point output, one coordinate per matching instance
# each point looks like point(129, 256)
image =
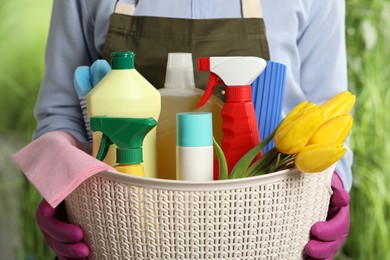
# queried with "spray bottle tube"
point(239, 126)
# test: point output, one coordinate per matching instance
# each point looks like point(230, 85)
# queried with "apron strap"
point(124, 8)
point(250, 8)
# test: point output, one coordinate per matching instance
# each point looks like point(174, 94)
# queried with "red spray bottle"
point(239, 126)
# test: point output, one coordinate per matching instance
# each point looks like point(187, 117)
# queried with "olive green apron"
point(152, 38)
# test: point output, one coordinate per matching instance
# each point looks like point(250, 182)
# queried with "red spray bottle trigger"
point(204, 65)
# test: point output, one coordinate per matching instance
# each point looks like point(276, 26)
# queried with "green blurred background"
point(23, 33)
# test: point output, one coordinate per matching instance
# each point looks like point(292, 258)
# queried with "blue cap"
point(194, 129)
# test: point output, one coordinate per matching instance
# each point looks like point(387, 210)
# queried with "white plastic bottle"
point(180, 95)
point(194, 150)
point(124, 92)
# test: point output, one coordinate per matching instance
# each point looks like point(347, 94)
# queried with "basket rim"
point(206, 185)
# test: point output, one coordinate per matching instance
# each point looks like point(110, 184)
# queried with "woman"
point(306, 36)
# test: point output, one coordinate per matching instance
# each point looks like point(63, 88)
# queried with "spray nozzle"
point(126, 133)
point(233, 71)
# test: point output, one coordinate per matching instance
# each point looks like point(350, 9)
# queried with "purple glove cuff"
point(328, 236)
point(340, 197)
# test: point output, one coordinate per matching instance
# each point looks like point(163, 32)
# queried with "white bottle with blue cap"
point(194, 146)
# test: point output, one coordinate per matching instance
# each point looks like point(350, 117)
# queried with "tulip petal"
point(318, 157)
point(339, 104)
point(294, 134)
point(335, 130)
point(297, 111)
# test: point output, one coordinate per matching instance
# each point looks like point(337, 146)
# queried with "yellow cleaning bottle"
point(128, 135)
point(180, 95)
point(124, 92)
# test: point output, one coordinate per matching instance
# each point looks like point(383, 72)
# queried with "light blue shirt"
point(308, 36)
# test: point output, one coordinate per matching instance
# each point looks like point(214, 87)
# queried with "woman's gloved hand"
point(328, 236)
point(62, 237)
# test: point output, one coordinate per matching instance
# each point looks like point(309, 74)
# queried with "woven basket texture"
point(264, 217)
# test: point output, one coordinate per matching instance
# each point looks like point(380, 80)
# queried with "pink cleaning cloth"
point(56, 165)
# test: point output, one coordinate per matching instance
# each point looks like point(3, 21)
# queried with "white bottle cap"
point(180, 71)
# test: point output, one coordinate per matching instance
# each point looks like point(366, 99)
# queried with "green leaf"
point(239, 170)
point(264, 161)
point(275, 165)
point(223, 169)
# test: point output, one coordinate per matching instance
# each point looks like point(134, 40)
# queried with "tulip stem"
point(286, 163)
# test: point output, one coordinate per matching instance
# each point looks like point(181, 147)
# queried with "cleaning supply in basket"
point(194, 150)
point(56, 164)
point(267, 98)
point(180, 95)
point(128, 135)
point(124, 92)
point(85, 78)
point(239, 126)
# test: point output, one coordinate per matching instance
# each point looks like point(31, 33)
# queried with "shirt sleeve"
point(322, 51)
point(58, 106)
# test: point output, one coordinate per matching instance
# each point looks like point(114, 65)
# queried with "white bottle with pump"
point(180, 95)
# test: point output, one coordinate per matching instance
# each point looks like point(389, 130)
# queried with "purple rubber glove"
point(62, 237)
point(328, 236)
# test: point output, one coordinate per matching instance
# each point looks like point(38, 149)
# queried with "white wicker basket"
point(264, 217)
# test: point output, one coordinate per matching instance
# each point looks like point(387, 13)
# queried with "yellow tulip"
point(295, 131)
point(296, 112)
point(340, 104)
point(335, 130)
point(318, 157)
